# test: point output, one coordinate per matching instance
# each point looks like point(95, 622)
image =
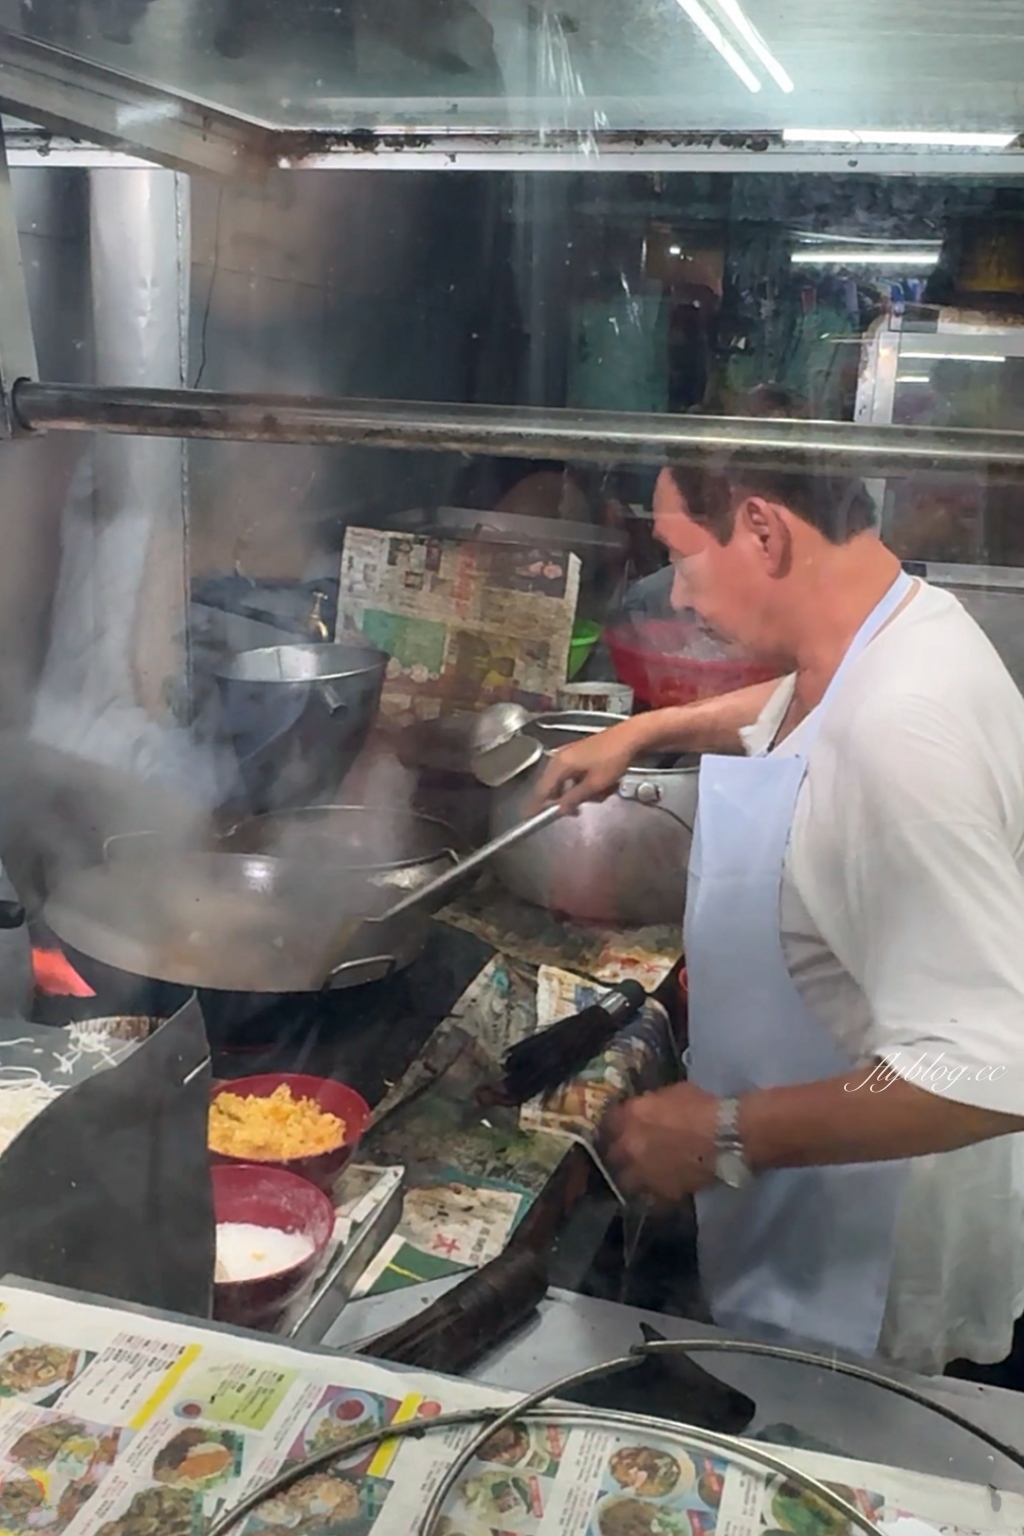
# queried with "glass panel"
point(468, 64)
point(144, 568)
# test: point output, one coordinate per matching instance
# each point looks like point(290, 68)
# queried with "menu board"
point(117, 1424)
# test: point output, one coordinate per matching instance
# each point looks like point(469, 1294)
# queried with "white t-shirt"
point(902, 923)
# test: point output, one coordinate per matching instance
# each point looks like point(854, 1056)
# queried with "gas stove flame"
point(55, 976)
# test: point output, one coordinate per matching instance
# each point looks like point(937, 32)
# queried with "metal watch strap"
point(731, 1166)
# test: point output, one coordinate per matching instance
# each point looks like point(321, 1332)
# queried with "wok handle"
point(358, 972)
point(444, 882)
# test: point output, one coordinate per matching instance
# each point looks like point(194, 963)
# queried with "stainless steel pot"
point(622, 861)
point(297, 717)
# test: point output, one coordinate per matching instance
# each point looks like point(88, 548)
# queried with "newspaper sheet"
point(113, 1423)
point(464, 623)
point(472, 1176)
point(531, 936)
point(472, 1172)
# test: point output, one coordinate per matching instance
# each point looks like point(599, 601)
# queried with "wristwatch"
point(731, 1166)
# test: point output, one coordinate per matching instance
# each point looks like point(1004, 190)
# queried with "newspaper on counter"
point(472, 1176)
point(464, 623)
point(532, 936)
point(472, 1172)
point(117, 1424)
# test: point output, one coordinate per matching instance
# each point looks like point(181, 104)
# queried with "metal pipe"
point(596, 436)
point(140, 260)
point(17, 346)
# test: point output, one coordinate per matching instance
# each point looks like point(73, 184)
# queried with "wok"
point(236, 922)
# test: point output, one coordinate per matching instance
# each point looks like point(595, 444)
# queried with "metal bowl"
point(297, 717)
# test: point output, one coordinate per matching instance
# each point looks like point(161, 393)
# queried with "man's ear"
point(764, 522)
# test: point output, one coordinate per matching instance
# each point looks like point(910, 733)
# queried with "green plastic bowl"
point(584, 637)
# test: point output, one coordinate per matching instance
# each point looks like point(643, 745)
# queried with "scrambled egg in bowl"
point(273, 1129)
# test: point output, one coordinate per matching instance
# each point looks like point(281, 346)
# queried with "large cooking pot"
point(212, 919)
point(622, 861)
point(297, 717)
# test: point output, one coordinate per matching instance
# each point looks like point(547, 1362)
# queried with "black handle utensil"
point(684, 1392)
point(472, 1318)
point(551, 1057)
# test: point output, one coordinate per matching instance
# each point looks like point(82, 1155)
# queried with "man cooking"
point(854, 936)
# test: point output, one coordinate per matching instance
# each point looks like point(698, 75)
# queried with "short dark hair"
point(838, 506)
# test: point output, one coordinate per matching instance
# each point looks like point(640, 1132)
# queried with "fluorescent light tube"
point(954, 357)
point(937, 140)
point(864, 256)
point(713, 32)
point(756, 43)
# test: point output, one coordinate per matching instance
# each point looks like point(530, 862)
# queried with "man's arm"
point(590, 769)
point(708, 725)
point(664, 1143)
point(870, 1115)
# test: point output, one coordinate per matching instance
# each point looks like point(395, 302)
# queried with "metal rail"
point(594, 436)
point(78, 96)
point(17, 346)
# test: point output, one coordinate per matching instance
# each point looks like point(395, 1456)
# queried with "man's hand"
point(589, 769)
point(663, 1144)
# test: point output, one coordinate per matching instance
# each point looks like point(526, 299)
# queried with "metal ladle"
point(498, 750)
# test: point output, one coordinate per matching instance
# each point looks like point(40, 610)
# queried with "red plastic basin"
point(647, 656)
point(268, 1197)
point(335, 1098)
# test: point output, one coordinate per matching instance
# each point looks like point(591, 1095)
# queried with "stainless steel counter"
point(850, 1417)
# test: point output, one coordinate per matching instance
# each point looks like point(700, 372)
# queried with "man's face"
point(728, 585)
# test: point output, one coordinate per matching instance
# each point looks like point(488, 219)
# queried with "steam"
point(93, 761)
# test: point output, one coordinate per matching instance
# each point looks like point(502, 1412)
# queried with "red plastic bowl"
point(646, 656)
point(336, 1098)
point(268, 1197)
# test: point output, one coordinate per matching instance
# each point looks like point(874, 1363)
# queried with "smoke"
point(94, 761)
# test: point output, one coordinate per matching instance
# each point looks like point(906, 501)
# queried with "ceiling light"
point(675, 250)
point(938, 140)
point(865, 256)
point(914, 378)
point(713, 32)
point(954, 357)
point(756, 43)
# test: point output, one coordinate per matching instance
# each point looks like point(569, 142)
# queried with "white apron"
point(805, 1251)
